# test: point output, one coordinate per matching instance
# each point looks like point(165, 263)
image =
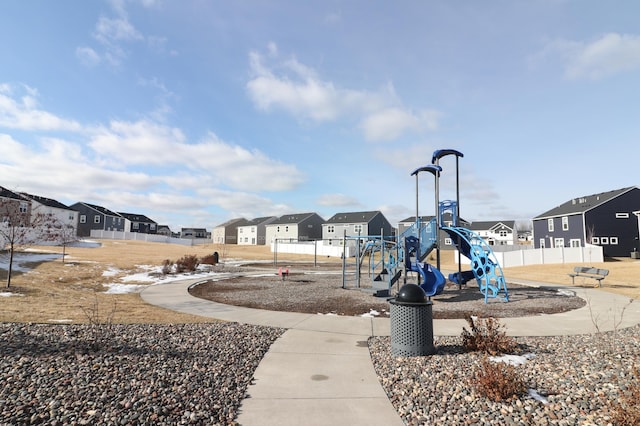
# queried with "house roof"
point(292, 218)
point(353, 217)
point(136, 217)
point(101, 209)
point(491, 224)
point(5, 193)
point(580, 205)
point(239, 221)
point(49, 202)
point(259, 221)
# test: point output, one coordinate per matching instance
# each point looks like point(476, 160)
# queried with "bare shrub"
point(498, 381)
point(187, 263)
point(487, 335)
point(100, 321)
point(626, 410)
point(167, 266)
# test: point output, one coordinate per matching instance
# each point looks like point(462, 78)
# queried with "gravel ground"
point(323, 293)
point(581, 380)
point(128, 374)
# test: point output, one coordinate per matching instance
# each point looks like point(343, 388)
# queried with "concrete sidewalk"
point(320, 372)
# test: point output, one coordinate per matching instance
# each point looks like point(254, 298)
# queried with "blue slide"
point(432, 279)
point(484, 267)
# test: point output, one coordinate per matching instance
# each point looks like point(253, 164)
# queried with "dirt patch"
point(324, 294)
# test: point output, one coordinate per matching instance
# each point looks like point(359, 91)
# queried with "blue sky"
point(194, 112)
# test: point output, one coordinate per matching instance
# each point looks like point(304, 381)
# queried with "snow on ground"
point(9, 294)
point(513, 359)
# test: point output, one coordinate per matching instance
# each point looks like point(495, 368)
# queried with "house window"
point(286, 228)
point(595, 240)
point(253, 229)
point(330, 229)
point(543, 243)
point(574, 243)
point(503, 233)
point(604, 240)
point(136, 225)
point(357, 228)
point(96, 219)
point(558, 242)
point(23, 207)
point(622, 215)
point(152, 227)
point(71, 216)
point(83, 218)
point(613, 241)
point(447, 242)
point(240, 230)
point(565, 223)
point(278, 229)
point(550, 225)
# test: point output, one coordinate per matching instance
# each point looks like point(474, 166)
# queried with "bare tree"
point(19, 227)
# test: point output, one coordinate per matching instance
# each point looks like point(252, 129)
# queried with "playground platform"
point(319, 372)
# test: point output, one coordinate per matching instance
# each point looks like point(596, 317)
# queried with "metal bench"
point(585, 271)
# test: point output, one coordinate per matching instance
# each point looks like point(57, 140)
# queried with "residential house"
point(351, 224)
point(194, 233)
point(14, 206)
point(295, 227)
point(53, 210)
point(496, 233)
point(447, 220)
point(227, 232)
point(139, 223)
point(254, 231)
point(165, 230)
point(94, 217)
point(608, 219)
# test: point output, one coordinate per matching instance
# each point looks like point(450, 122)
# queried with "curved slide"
point(484, 267)
point(432, 279)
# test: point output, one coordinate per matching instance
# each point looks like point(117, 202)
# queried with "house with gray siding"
point(447, 220)
point(139, 223)
point(353, 224)
point(91, 216)
point(295, 227)
point(608, 219)
point(227, 232)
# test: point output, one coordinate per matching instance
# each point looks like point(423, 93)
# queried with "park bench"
point(585, 271)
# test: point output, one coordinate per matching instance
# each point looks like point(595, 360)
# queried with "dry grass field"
point(73, 291)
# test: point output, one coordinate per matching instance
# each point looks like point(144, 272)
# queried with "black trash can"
point(411, 323)
point(215, 257)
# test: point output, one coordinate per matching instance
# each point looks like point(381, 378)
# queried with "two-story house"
point(254, 231)
point(353, 224)
point(139, 223)
point(91, 216)
point(496, 233)
point(294, 227)
point(227, 232)
point(607, 219)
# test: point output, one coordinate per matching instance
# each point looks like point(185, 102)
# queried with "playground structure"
point(393, 258)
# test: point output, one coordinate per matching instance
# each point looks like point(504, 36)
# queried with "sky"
point(195, 112)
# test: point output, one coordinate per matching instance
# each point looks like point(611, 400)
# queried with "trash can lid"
point(411, 293)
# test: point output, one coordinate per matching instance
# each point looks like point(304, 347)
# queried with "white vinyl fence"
point(154, 238)
point(590, 254)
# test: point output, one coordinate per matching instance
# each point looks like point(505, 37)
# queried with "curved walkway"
point(319, 372)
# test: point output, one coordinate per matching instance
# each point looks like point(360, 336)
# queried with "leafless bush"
point(167, 266)
point(208, 260)
point(487, 335)
point(100, 321)
point(187, 263)
point(498, 381)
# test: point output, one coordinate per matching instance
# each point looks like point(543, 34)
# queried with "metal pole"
point(275, 252)
point(344, 259)
point(437, 213)
point(457, 222)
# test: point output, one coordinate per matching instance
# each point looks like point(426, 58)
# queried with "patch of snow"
point(372, 313)
point(60, 320)
point(9, 294)
point(535, 395)
point(513, 359)
point(142, 277)
point(123, 288)
point(328, 315)
point(110, 272)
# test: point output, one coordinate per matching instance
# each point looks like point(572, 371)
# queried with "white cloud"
point(88, 56)
point(607, 55)
point(337, 200)
point(296, 88)
point(24, 114)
